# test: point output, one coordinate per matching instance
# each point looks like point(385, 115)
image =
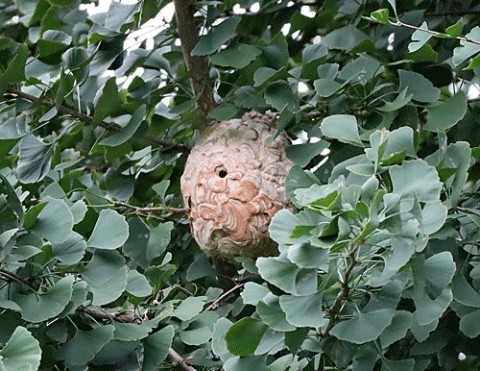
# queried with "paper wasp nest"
point(234, 183)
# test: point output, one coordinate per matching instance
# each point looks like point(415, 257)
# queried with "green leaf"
point(276, 52)
point(54, 222)
point(156, 348)
point(136, 245)
point(12, 198)
point(308, 256)
point(434, 216)
point(398, 365)
point(119, 14)
point(70, 250)
point(343, 128)
point(417, 85)
point(439, 270)
point(137, 284)
point(76, 60)
point(270, 312)
point(61, 3)
point(265, 75)
point(131, 331)
point(159, 240)
point(313, 52)
point(52, 44)
point(304, 310)
point(14, 127)
point(288, 276)
point(419, 38)
point(429, 310)
point(244, 336)
point(344, 38)
point(279, 95)
point(253, 292)
point(397, 329)
point(106, 275)
point(15, 71)
point(189, 308)
point(216, 37)
point(21, 352)
point(109, 102)
point(10, 305)
point(127, 132)
point(464, 293)
point(474, 63)
point(400, 101)
point(447, 114)
point(196, 336)
point(237, 56)
point(219, 344)
point(467, 48)
point(364, 327)
point(110, 231)
point(416, 178)
point(84, 345)
point(326, 87)
point(470, 325)
point(455, 30)
point(393, 4)
point(302, 154)
point(34, 159)
point(381, 16)
point(39, 307)
point(257, 363)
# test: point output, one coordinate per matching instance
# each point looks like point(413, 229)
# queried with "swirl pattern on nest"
point(234, 183)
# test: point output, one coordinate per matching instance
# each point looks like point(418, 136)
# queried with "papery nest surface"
point(234, 183)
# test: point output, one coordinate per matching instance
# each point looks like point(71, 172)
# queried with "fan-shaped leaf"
point(21, 352)
point(39, 307)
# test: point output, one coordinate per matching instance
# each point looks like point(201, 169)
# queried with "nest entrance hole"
point(222, 173)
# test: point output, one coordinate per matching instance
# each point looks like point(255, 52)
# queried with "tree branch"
point(197, 66)
point(399, 23)
point(343, 294)
point(174, 358)
point(13, 277)
point(89, 119)
point(160, 209)
point(177, 360)
point(222, 297)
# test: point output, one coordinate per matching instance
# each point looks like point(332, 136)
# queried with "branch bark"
point(89, 119)
point(197, 66)
point(174, 358)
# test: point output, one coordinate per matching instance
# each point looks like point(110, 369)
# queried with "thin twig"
point(222, 297)
point(177, 360)
point(399, 23)
point(342, 295)
point(160, 209)
point(197, 66)
point(89, 119)
point(128, 317)
point(13, 277)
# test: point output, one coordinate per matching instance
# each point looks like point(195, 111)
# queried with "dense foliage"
point(379, 266)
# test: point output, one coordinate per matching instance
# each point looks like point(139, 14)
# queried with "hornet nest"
point(234, 183)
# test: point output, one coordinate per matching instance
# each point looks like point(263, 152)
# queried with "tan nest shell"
point(234, 183)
